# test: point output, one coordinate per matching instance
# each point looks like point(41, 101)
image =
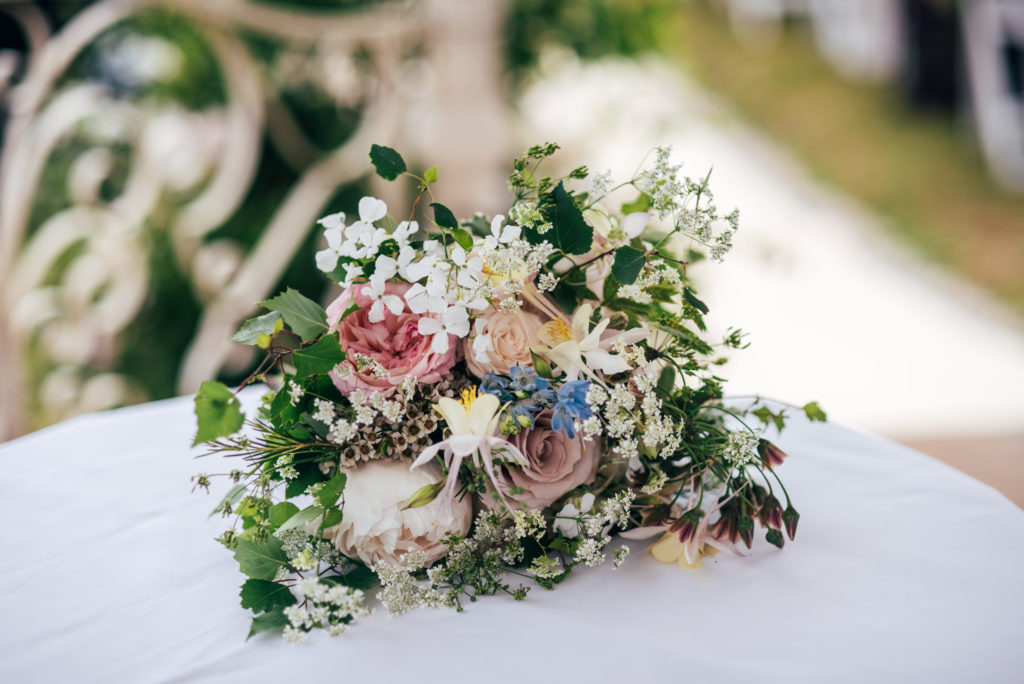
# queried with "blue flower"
point(525, 380)
point(496, 385)
point(570, 406)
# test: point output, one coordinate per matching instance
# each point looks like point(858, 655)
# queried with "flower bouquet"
point(487, 402)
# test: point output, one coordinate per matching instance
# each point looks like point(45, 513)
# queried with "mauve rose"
point(557, 464)
point(512, 335)
point(395, 343)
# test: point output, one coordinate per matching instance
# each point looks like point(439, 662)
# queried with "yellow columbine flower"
point(669, 549)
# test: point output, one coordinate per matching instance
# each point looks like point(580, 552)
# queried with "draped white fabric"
point(904, 570)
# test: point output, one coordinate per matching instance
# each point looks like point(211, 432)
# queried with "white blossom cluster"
point(655, 272)
point(330, 607)
point(401, 592)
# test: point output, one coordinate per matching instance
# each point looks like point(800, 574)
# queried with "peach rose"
point(512, 334)
point(557, 464)
point(395, 343)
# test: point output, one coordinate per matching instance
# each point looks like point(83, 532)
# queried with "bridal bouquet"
point(488, 402)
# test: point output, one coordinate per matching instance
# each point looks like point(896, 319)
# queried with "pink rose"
point(395, 343)
point(557, 464)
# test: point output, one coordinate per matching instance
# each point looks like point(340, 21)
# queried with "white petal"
point(394, 304)
point(372, 209)
point(510, 233)
point(633, 224)
point(326, 260)
point(376, 312)
point(457, 255)
point(605, 362)
point(464, 444)
point(586, 502)
point(385, 268)
point(416, 298)
point(496, 225)
point(429, 326)
point(439, 344)
point(333, 220)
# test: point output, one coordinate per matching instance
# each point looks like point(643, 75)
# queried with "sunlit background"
point(163, 164)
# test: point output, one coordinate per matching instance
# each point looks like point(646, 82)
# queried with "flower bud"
point(745, 528)
point(771, 513)
point(771, 455)
point(790, 518)
point(686, 526)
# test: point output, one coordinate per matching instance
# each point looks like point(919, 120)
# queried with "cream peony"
point(375, 529)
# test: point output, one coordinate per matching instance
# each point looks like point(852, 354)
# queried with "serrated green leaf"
point(273, 621)
point(320, 357)
point(260, 561)
point(641, 203)
point(387, 162)
point(628, 264)
point(280, 512)
point(263, 595)
point(569, 231)
point(233, 496)
point(332, 489)
point(814, 412)
point(304, 317)
point(444, 217)
point(268, 324)
point(304, 516)
point(430, 175)
point(218, 412)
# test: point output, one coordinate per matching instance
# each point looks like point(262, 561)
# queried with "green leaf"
point(218, 412)
point(304, 317)
point(628, 264)
point(463, 238)
point(282, 413)
point(444, 217)
point(263, 595)
point(332, 518)
point(273, 621)
point(260, 329)
point(280, 512)
point(541, 366)
point(388, 163)
point(332, 489)
point(260, 561)
point(641, 203)
point(320, 357)
point(306, 515)
point(667, 380)
point(352, 308)
point(569, 232)
point(691, 298)
point(814, 412)
point(424, 495)
point(233, 496)
point(430, 175)
point(359, 577)
point(309, 473)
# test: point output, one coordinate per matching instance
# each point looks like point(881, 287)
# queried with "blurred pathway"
point(835, 310)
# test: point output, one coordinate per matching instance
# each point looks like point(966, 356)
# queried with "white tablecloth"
point(904, 570)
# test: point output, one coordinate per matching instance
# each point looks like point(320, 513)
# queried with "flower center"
point(555, 332)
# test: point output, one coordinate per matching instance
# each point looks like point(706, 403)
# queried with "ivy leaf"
point(262, 595)
point(388, 163)
point(814, 412)
point(281, 512)
point(218, 412)
point(430, 175)
point(629, 261)
point(260, 561)
point(272, 621)
point(259, 330)
point(233, 496)
point(767, 417)
point(331, 491)
point(306, 515)
point(319, 357)
point(304, 317)
point(444, 217)
point(569, 232)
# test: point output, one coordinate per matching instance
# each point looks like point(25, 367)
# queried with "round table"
point(903, 570)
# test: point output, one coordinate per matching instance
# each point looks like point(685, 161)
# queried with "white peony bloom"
point(375, 529)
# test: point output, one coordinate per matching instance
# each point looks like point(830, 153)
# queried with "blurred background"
point(164, 161)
